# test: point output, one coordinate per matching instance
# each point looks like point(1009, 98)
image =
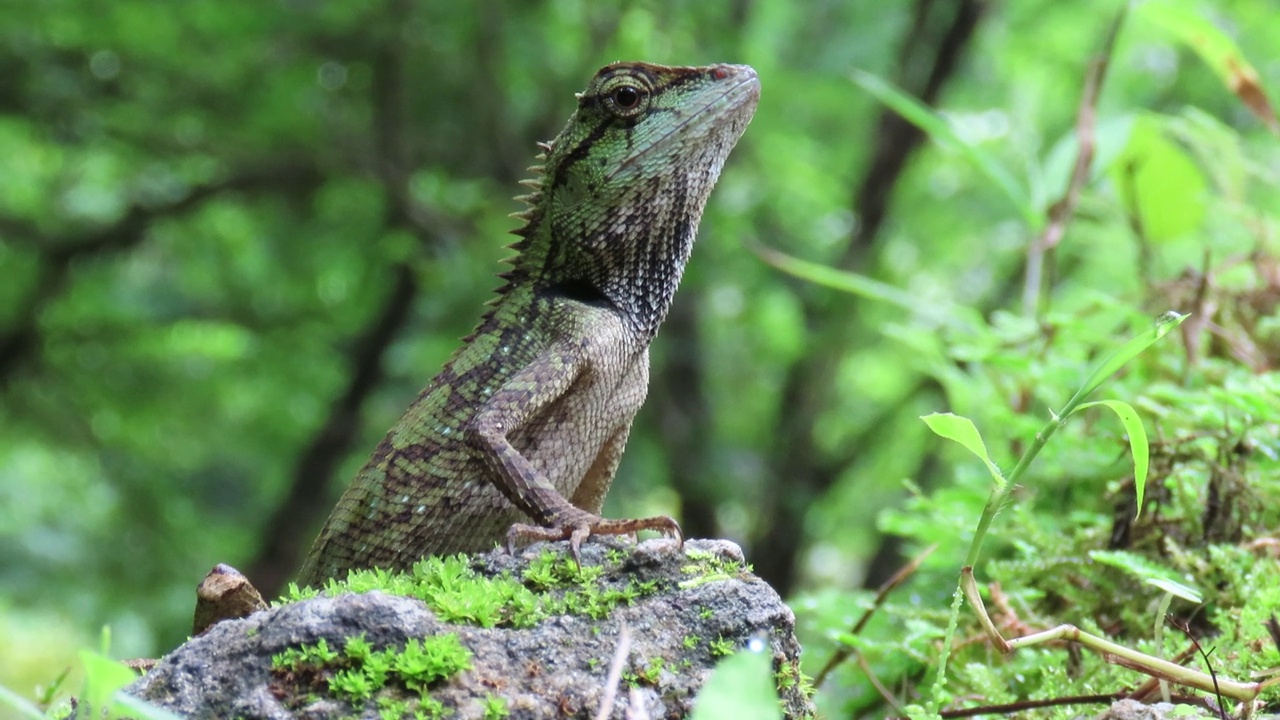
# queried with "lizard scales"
point(529, 418)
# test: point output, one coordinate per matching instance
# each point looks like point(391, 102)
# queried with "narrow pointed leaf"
point(855, 284)
point(1138, 446)
point(941, 132)
point(962, 430)
point(1182, 23)
point(1129, 351)
point(21, 706)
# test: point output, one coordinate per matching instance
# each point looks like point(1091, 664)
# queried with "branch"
point(938, 38)
point(1060, 212)
point(58, 252)
point(306, 500)
point(882, 594)
point(1111, 652)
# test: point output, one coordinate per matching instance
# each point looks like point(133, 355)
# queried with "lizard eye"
point(626, 98)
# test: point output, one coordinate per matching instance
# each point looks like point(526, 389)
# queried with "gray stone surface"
point(556, 669)
point(1134, 710)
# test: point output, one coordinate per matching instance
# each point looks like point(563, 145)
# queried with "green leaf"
point(1137, 441)
point(962, 430)
point(937, 128)
point(1160, 182)
point(1147, 571)
point(856, 284)
point(740, 687)
point(103, 678)
point(1176, 589)
point(1128, 351)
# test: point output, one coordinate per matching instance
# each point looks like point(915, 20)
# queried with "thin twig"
point(1060, 212)
point(841, 654)
point(615, 673)
point(635, 705)
point(885, 693)
point(1144, 691)
point(1217, 691)
point(1023, 705)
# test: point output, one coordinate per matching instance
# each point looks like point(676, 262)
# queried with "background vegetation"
point(236, 238)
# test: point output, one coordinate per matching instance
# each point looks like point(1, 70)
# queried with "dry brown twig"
point(615, 673)
point(841, 654)
point(1117, 654)
point(1060, 213)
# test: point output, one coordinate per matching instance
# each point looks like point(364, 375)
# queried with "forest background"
point(237, 237)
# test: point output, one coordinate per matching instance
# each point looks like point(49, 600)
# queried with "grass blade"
point(937, 128)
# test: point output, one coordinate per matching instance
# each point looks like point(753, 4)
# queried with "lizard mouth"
point(738, 99)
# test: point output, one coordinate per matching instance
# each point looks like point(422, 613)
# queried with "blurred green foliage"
point(208, 208)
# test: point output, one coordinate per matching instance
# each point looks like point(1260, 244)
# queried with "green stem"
point(1000, 494)
point(1108, 367)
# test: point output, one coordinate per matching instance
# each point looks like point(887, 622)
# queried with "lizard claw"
point(578, 528)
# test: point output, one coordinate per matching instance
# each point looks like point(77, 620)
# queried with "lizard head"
point(625, 183)
point(642, 123)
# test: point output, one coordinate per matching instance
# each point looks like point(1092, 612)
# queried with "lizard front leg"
point(520, 399)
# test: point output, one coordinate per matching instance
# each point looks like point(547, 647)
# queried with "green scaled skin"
point(528, 419)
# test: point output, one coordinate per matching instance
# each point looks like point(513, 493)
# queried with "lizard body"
point(529, 418)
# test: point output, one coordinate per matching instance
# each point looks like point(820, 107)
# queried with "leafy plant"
point(102, 693)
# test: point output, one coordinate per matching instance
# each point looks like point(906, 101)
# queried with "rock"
point(687, 611)
point(1134, 710)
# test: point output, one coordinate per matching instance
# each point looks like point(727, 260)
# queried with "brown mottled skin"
point(528, 419)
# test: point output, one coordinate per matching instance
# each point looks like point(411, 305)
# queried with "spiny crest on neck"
point(533, 199)
point(528, 218)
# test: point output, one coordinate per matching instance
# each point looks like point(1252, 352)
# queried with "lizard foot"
point(582, 525)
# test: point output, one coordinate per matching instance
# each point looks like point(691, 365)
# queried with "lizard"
point(529, 417)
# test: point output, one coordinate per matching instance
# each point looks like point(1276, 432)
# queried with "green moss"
point(458, 590)
point(651, 672)
point(705, 567)
point(720, 647)
point(495, 707)
point(789, 677)
point(552, 584)
point(360, 673)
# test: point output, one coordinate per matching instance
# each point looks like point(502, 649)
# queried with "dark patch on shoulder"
point(579, 290)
